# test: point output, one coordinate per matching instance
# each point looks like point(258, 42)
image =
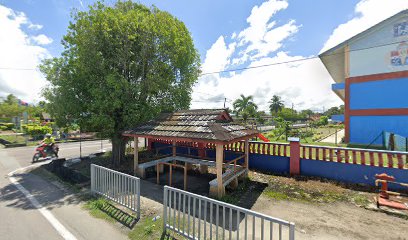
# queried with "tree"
point(9, 107)
point(307, 113)
point(121, 66)
point(334, 111)
point(260, 117)
point(323, 121)
point(276, 104)
point(289, 115)
point(11, 99)
point(245, 106)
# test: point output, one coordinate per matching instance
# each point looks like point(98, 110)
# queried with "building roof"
point(334, 58)
point(46, 116)
point(201, 125)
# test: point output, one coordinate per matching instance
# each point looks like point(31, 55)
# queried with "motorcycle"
point(44, 151)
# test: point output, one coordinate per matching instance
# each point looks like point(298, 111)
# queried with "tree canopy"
point(334, 111)
point(276, 104)
point(245, 107)
point(121, 66)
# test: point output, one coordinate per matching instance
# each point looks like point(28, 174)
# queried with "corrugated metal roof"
point(205, 124)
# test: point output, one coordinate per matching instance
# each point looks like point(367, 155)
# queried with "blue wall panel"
point(390, 93)
point(364, 129)
point(349, 173)
point(338, 118)
point(267, 163)
point(338, 86)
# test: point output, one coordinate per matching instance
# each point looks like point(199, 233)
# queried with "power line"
point(246, 68)
point(297, 60)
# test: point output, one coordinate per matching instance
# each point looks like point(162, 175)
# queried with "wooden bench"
point(228, 177)
point(141, 171)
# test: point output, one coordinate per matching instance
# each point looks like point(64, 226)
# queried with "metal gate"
point(197, 217)
point(121, 188)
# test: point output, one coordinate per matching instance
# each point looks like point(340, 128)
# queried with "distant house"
point(315, 117)
point(370, 71)
point(46, 117)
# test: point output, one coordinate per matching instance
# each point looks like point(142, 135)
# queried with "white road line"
point(47, 214)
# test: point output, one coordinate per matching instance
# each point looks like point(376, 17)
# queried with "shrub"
point(36, 130)
point(7, 126)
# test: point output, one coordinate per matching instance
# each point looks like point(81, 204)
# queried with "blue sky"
point(228, 34)
point(206, 20)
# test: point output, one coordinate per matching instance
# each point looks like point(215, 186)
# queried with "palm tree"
point(244, 104)
point(276, 104)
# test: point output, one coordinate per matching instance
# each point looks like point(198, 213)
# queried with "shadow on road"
point(48, 194)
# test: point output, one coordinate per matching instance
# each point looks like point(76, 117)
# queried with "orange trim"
point(347, 111)
point(379, 112)
point(378, 77)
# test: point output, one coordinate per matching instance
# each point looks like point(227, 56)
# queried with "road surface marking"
point(47, 214)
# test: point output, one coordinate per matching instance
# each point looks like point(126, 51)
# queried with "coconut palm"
point(276, 104)
point(245, 104)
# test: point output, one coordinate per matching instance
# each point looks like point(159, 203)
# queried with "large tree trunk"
point(118, 149)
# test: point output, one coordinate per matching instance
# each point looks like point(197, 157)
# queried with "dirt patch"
point(313, 190)
point(338, 220)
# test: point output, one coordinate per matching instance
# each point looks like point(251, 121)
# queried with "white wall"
point(374, 59)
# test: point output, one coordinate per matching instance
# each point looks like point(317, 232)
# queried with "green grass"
point(279, 190)
point(147, 229)
point(94, 207)
point(14, 139)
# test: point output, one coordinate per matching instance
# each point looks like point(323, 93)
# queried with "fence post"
point(138, 197)
point(292, 231)
point(92, 178)
point(165, 208)
point(294, 166)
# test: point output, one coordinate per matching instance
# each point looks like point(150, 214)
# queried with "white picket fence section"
point(198, 217)
point(121, 188)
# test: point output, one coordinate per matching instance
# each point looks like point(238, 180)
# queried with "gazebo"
point(202, 127)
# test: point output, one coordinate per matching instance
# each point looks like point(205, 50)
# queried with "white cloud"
point(259, 19)
point(307, 84)
point(35, 26)
point(18, 51)
point(218, 56)
point(263, 36)
point(42, 39)
point(367, 14)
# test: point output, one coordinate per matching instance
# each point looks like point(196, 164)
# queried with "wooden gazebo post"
point(136, 155)
point(219, 154)
point(246, 152)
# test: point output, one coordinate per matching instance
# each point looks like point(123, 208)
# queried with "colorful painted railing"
point(380, 158)
point(266, 148)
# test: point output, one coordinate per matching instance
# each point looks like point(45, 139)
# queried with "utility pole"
point(225, 100)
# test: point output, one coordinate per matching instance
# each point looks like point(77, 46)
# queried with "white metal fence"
point(197, 217)
point(116, 186)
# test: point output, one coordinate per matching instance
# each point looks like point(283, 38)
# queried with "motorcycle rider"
point(49, 141)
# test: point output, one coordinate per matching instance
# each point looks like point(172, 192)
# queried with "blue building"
point(370, 71)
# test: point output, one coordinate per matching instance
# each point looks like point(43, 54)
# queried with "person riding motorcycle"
point(49, 141)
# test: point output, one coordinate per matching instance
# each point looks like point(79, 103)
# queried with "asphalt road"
point(19, 219)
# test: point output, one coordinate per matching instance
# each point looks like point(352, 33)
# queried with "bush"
point(6, 126)
point(36, 130)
